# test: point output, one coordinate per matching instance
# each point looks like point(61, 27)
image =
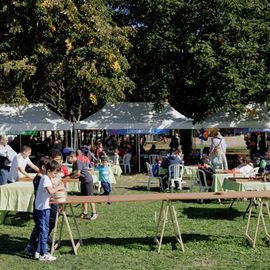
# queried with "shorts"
point(87, 189)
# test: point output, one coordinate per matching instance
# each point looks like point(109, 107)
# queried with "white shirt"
point(18, 162)
point(218, 141)
point(245, 170)
point(42, 196)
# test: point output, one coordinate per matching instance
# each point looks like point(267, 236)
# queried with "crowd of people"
point(214, 159)
point(50, 170)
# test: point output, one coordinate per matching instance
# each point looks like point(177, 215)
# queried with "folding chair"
point(175, 174)
point(126, 163)
point(151, 176)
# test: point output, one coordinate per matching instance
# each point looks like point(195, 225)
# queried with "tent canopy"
point(135, 115)
point(30, 117)
point(254, 116)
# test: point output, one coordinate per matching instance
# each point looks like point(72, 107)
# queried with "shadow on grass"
point(13, 245)
point(211, 213)
point(140, 243)
point(143, 188)
point(18, 219)
point(154, 189)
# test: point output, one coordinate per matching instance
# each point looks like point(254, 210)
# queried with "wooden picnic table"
point(167, 211)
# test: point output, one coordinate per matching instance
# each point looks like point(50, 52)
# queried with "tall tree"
point(199, 54)
point(66, 53)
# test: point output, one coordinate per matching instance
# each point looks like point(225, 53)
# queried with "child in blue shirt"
point(104, 173)
point(156, 166)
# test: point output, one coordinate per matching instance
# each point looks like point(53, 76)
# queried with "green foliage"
point(68, 53)
point(200, 54)
point(76, 55)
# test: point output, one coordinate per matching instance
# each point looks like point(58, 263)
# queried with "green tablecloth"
point(229, 184)
point(116, 169)
point(17, 197)
point(218, 180)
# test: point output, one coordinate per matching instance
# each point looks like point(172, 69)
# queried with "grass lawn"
point(122, 237)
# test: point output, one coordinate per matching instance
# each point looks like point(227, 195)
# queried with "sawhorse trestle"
point(167, 210)
point(62, 212)
point(263, 205)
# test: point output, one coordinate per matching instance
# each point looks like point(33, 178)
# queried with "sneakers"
point(29, 250)
point(94, 216)
point(47, 257)
point(37, 255)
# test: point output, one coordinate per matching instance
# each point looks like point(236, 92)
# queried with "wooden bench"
point(167, 212)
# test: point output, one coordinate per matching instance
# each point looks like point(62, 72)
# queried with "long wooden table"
point(167, 211)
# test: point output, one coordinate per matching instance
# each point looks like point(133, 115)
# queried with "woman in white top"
point(218, 141)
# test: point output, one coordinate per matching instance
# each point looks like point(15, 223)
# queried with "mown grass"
point(122, 237)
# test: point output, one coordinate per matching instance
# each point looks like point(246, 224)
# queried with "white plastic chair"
point(126, 163)
point(152, 158)
point(175, 174)
point(151, 176)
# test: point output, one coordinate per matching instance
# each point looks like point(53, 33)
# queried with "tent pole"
point(20, 142)
point(71, 136)
point(75, 139)
point(138, 152)
point(265, 137)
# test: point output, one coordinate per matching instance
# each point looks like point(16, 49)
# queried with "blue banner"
point(153, 131)
point(247, 130)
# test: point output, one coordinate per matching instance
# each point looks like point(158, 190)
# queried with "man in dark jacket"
point(170, 160)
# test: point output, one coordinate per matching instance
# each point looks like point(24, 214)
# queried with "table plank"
point(167, 197)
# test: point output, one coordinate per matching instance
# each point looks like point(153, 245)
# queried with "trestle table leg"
point(176, 226)
point(65, 219)
point(260, 218)
point(53, 247)
point(76, 225)
point(163, 217)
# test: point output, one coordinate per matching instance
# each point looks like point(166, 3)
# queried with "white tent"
point(31, 117)
point(254, 116)
point(135, 115)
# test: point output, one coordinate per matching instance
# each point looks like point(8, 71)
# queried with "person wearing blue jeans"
point(42, 208)
point(4, 172)
point(43, 218)
point(30, 248)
